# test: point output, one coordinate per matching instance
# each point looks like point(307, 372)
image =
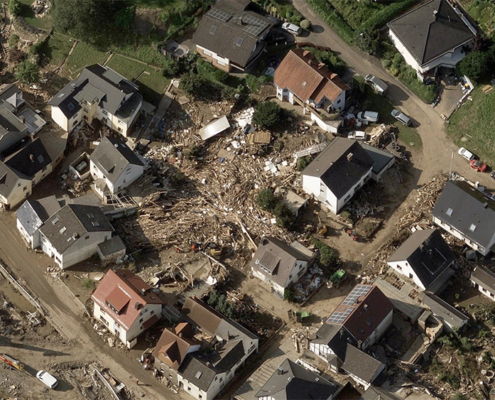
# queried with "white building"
point(432, 35)
point(425, 258)
point(99, 93)
point(484, 280)
point(73, 234)
point(301, 79)
point(126, 305)
point(337, 173)
point(279, 264)
point(114, 166)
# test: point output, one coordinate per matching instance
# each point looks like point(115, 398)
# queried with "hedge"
point(326, 11)
point(387, 14)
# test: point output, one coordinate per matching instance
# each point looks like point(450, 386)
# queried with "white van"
point(400, 116)
point(47, 379)
point(291, 28)
point(357, 135)
point(377, 84)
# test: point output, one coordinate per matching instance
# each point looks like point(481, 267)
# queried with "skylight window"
point(71, 106)
point(472, 227)
point(95, 223)
point(55, 221)
point(91, 216)
point(304, 83)
point(213, 29)
point(449, 212)
point(239, 42)
point(63, 230)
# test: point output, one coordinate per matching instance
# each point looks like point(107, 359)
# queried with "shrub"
point(170, 68)
point(13, 40)
point(303, 162)
point(87, 283)
point(368, 40)
point(289, 295)
point(326, 11)
point(306, 24)
point(476, 66)
point(15, 8)
point(192, 84)
point(267, 114)
point(327, 256)
point(27, 72)
point(266, 200)
point(386, 63)
point(283, 215)
point(386, 14)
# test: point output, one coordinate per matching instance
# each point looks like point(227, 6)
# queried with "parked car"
point(291, 28)
point(466, 154)
point(357, 135)
point(400, 116)
point(370, 116)
point(478, 165)
point(47, 379)
point(377, 84)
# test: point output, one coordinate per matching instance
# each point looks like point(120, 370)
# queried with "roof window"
point(71, 106)
point(55, 221)
point(449, 212)
point(304, 83)
point(472, 227)
point(239, 42)
point(63, 230)
point(213, 29)
point(91, 216)
point(95, 223)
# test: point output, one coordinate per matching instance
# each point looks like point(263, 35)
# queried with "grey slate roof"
point(381, 158)
point(112, 157)
point(442, 309)
point(9, 180)
point(467, 207)
point(11, 97)
point(229, 38)
point(427, 254)
point(335, 169)
point(293, 382)
point(33, 213)
point(485, 278)
point(360, 364)
point(197, 372)
point(9, 122)
point(72, 222)
point(431, 30)
point(30, 159)
point(336, 337)
point(111, 246)
point(102, 84)
point(278, 257)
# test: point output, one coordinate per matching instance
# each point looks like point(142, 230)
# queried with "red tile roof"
point(173, 345)
point(306, 78)
point(122, 295)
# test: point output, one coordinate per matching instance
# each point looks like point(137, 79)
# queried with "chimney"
point(485, 204)
point(435, 12)
point(365, 306)
point(360, 343)
point(31, 158)
point(280, 371)
point(349, 156)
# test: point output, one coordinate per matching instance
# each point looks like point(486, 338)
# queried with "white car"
point(466, 154)
point(370, 116)
point(357, 135)
point(47, 379)
point(291, 28)
point(400, 116)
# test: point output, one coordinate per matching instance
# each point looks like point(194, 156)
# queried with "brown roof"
point(202, 315)
point(125, 292)
point(306, 78)
point(174, 345)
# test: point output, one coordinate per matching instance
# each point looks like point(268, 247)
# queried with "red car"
point(478, 165)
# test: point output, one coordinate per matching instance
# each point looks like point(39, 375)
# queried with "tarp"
point(214, 128)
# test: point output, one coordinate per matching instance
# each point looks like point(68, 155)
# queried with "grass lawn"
point(29, 16)
point(475, 125)
point(152, 84)
point(56, 49)
point(84, 55)
point(483, 12)
point(356, 13)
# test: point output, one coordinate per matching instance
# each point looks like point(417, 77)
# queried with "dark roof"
point(100, 84)
point(9, 122)
point(431, 30)
point(30, 159)
point(360, 364)
point(33, 213)
point(341, 165)
point(427, 253)
point(336, 337)
point(278, 257)
point(112, 157)
point(229, 355)
point(442, 309)
point(231, 31)
point(293, 382)
point(485, 278)
point(348, 392)
point(471, 212)
point(197, 372)
point(111, 246)
point(11, 96)
point(381, 158)
point(72, 222)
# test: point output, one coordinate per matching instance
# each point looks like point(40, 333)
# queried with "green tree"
point(15, 8)
point(289, 295)
point(284, 215)
point(302, 163)
point(171, 67)
point(193, 84)
point(327, 256)
point(476, 66)
point(306, 24)
point(125, 17)
point(267, 114)
point(28, 72)
point(266, 200)
point(368, 40)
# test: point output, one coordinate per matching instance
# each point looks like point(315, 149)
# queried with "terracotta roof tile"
point(172, 347)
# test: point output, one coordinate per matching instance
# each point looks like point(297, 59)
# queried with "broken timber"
point(317, 148)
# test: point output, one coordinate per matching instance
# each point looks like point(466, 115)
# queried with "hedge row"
point(387, 14)
point(326, 11)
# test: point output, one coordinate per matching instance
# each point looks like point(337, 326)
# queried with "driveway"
point(437, 148)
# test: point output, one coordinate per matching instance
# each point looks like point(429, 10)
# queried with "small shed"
point(111, 250)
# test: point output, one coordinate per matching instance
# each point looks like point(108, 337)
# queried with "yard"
point(483, 12)
point(57, 48)
point(473, 125)
point(84, 55)
point(28, 14)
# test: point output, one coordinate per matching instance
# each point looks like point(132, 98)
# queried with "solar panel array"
point(339, 317)
point(358, 291)
point(255, 25)
point(219, 14)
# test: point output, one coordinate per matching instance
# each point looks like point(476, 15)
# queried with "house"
point(468, 214)
point(301, 79)
point(484, 280)
point(361, 367)
point(337, 173)
point(101, 94)
point(111, 251)
point(73, 233)
point(126, 305)
point(278, 264)
point(292, 381)
point(32, 215)
point(114, 166)
point(202, 354)
point(432, 35)
point(425, 258)
point(382, 161)
point(450, 316)
point(360, 320)
point(231, 36)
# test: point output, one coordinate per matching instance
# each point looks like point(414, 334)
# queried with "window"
point(119, 129)
point(222, 63)
point(200, 396)
point(141, 321)
point(141, 327)
point(189, 388)
point(449, 212)
point(239, 42)
point(213, 29)
point(152, 312)
point(338, 102)
point(399, 267)
point(472, 228)
point(104, 112)
point(24, 188)
point(85, 110)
